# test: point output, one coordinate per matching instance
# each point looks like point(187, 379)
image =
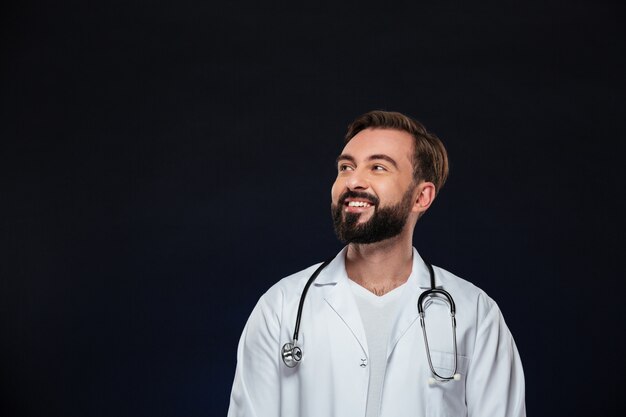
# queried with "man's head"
point(388, 174)
point(430, 159)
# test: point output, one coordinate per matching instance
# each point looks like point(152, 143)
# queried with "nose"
point(357, 180)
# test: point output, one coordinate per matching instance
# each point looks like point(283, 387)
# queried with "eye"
point(379, 168)
point(345, 167)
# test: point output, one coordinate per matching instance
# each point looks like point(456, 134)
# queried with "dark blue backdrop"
point(163, 164)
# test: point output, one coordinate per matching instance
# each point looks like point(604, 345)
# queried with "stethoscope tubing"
point(296, 330)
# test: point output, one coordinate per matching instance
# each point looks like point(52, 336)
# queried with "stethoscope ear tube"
point(433, 292)
point(439, 293)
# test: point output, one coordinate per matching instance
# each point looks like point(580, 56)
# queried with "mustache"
point(358, 194)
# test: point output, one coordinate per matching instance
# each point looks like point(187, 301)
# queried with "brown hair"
point(430, 159)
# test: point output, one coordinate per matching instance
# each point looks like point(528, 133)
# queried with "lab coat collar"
point(336, 271)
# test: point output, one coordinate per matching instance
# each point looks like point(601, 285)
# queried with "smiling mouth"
point(358, 204)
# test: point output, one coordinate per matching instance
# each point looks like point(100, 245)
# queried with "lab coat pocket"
point(447, 399)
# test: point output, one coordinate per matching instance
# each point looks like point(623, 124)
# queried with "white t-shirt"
point(378, 314)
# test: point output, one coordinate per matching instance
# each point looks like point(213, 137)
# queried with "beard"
point(385, 223)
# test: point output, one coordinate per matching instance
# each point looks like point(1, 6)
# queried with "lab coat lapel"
point(339, 297)
point(418, 281)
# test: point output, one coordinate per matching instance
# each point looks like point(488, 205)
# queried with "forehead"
point(394, 143)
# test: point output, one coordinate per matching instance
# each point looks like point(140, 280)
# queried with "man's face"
point(373, 194)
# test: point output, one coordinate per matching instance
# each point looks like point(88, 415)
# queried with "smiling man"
point(383, 332)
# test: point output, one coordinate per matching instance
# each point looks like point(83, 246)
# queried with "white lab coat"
point(331, 381)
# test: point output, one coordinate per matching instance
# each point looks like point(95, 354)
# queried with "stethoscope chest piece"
point(291, 354)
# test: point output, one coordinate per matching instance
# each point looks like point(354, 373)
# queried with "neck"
point(382, 266)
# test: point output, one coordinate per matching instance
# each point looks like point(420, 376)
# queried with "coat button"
point(363, 362)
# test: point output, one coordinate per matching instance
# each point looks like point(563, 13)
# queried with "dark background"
point(163, 163)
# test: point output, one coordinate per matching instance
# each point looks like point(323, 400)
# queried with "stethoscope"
point(292, 353)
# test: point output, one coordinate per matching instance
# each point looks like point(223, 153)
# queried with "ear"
point(424, 197)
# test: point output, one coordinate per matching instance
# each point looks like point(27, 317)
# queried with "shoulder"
point(287, 288)
point(465, 293)
point(267, 316)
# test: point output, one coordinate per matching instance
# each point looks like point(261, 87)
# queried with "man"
point(361, 345)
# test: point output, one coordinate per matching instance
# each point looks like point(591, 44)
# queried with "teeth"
point(358, 204)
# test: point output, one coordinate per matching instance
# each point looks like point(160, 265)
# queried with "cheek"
point(335, 191)
point(390, 195)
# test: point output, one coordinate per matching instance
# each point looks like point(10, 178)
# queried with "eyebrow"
point(346, 157)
